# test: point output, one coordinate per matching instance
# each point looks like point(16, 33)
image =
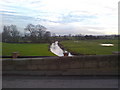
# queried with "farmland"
point(26, 49)
point(91, 46)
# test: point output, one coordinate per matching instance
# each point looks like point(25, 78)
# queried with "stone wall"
point(77, 65)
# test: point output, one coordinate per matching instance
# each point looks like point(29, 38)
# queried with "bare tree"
point(32, 32)
point(10, 34)
point(15, 34)
point(47, 36)
point(36, 32)
point(41, 30)
point(6, 34)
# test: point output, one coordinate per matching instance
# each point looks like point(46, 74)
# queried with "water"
point(54, 48)
point(108, 45)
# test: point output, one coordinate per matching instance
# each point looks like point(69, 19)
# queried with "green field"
point(91, 46)
point(26, 49)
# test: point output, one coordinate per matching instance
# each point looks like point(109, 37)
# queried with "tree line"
point(32, 34)
point(39, 34)
point(84, 37)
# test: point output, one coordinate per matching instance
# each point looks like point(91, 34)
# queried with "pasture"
point(26, 49)
point(91, 46)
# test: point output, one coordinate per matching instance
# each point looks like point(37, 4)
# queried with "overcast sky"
point(94, 17)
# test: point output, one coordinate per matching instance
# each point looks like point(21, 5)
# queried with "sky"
point(87, 17)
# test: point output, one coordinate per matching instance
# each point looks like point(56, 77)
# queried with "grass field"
point(26, 49)
point(91, 46)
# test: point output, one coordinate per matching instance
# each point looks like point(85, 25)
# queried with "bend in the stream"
point(54, 48)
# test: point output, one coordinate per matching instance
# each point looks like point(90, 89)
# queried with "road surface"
point(59, 82)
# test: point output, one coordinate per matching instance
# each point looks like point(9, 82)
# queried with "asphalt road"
point(59, 82)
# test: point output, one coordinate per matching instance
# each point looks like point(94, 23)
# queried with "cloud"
point(67, 29)
point(76, 17)
point(62, 16)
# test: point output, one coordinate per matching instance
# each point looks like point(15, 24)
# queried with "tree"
point(36, 32)
point(15, 34)
point(10, 34)
point(41, 30)
point(47, 36)
point(6, 34)
point(32, 32)
point(0, 37)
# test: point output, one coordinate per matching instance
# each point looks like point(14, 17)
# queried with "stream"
point(54, 48)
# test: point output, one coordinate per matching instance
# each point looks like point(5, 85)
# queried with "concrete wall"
point(78, 65)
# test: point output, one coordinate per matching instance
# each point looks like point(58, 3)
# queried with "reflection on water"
point(54, 48)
